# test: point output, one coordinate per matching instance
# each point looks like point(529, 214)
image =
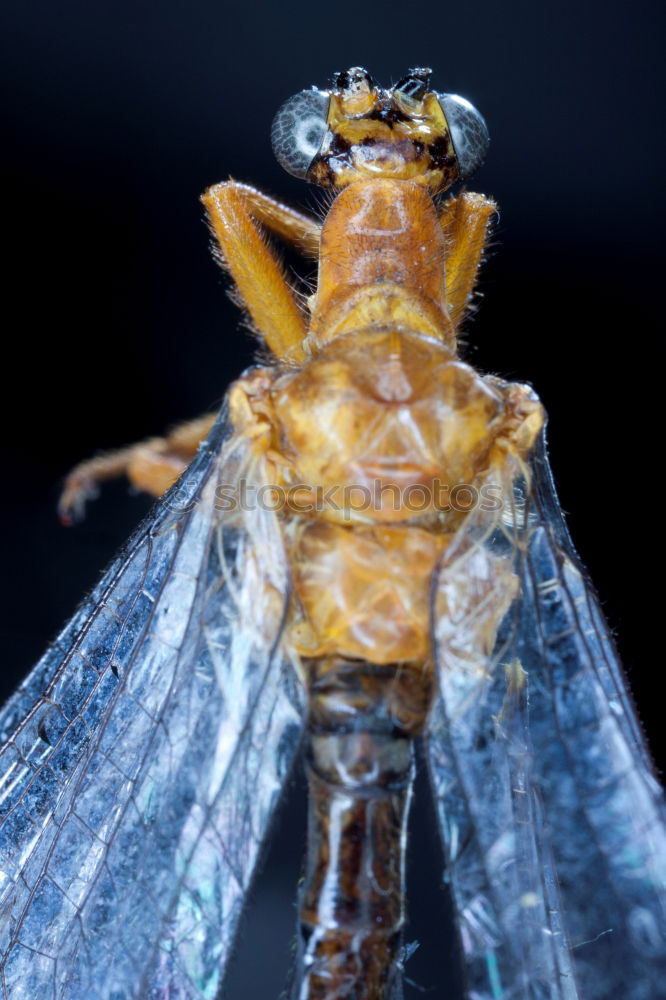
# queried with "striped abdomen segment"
point(362, 721)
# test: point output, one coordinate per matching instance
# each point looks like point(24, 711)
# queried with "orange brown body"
point(368, 421)
point(383, 407)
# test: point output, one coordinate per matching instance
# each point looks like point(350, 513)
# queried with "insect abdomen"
point(362, 721)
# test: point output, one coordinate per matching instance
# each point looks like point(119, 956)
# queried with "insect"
point(366, 550)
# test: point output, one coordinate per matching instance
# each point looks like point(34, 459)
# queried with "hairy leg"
point(465, 221)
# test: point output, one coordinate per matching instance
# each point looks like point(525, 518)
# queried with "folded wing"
point(145, 753)
point(553, 822)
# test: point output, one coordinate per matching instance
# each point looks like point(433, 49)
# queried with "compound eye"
point(298, 130)
point(469, 133)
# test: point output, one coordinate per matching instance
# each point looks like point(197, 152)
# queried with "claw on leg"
point(150, 466)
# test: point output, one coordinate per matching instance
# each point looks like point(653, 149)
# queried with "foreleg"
point(465, 221)
point(234, 211)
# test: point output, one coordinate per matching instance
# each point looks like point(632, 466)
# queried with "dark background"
point(117, 324)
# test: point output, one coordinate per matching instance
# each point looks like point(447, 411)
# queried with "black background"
point(117, 324)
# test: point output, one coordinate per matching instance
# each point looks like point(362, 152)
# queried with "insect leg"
point(465, 221)
point(288, 223)
point(254, 268)
point(234, 209)
point(151, 465)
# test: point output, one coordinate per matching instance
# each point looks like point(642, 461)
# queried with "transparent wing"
point(144, 755)
point(552, 820)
